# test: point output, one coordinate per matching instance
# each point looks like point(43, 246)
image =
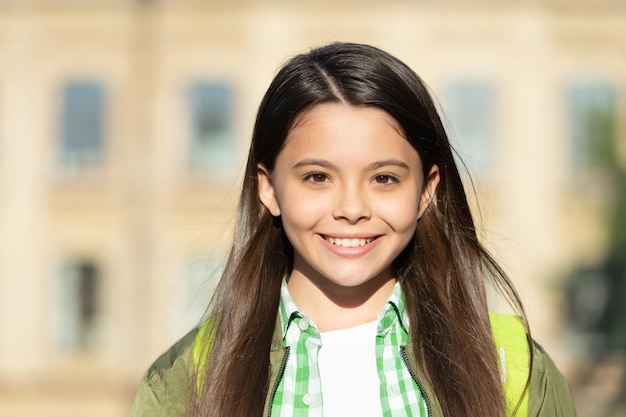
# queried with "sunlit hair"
point(442, 271)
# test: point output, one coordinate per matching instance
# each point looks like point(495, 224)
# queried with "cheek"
point(400, 213)
point(300, 211)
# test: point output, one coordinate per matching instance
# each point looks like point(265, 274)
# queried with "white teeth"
point(348, 243)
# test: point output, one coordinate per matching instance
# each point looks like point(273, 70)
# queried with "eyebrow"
point(371, 167)
point(317, 162)
point(388, 162)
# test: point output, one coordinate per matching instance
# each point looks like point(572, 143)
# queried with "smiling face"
point(350, 190)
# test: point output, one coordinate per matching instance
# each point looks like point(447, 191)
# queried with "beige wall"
point(144, 217)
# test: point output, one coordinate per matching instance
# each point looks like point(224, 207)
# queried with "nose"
point(352, 204)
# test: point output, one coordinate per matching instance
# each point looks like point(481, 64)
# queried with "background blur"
point(124, 126)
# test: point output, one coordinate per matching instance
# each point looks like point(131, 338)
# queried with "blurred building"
point(123, 132)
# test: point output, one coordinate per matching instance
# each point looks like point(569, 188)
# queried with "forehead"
point(331, 113)
point(345, 133)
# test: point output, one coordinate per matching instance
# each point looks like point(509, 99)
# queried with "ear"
point(267, 192)
point(428, 190)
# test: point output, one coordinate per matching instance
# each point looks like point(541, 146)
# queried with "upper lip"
point(349, 236)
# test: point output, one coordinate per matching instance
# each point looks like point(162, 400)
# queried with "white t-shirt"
point(349, 378)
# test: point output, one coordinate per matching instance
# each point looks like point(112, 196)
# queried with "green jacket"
point(165, 388)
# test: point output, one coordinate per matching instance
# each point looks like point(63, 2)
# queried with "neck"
point(335, 307)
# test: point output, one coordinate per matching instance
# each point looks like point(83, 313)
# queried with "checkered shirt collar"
point(394, 309)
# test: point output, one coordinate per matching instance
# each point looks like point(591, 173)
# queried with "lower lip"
point(350, 252)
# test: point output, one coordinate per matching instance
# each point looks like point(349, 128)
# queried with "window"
point(82, 125)
point(77, 307)
point(211, 142)
point(592, 119)
point(469, 110)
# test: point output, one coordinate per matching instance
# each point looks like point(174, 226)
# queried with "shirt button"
point(303, 324)
point(308, 399)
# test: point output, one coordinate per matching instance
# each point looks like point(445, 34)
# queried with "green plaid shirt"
point(299, 391)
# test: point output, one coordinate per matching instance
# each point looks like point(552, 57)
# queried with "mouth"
point(348, 243)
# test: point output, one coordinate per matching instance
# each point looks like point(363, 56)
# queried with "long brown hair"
point(442, 271)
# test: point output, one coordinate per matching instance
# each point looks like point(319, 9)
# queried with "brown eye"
point(385, 179)
point(316, 177)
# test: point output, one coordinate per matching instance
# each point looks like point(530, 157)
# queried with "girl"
point(356, 283)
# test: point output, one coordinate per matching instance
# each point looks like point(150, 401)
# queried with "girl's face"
point(349, 189)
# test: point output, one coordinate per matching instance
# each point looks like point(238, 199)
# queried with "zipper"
point(279, 377)
point(405, 359)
